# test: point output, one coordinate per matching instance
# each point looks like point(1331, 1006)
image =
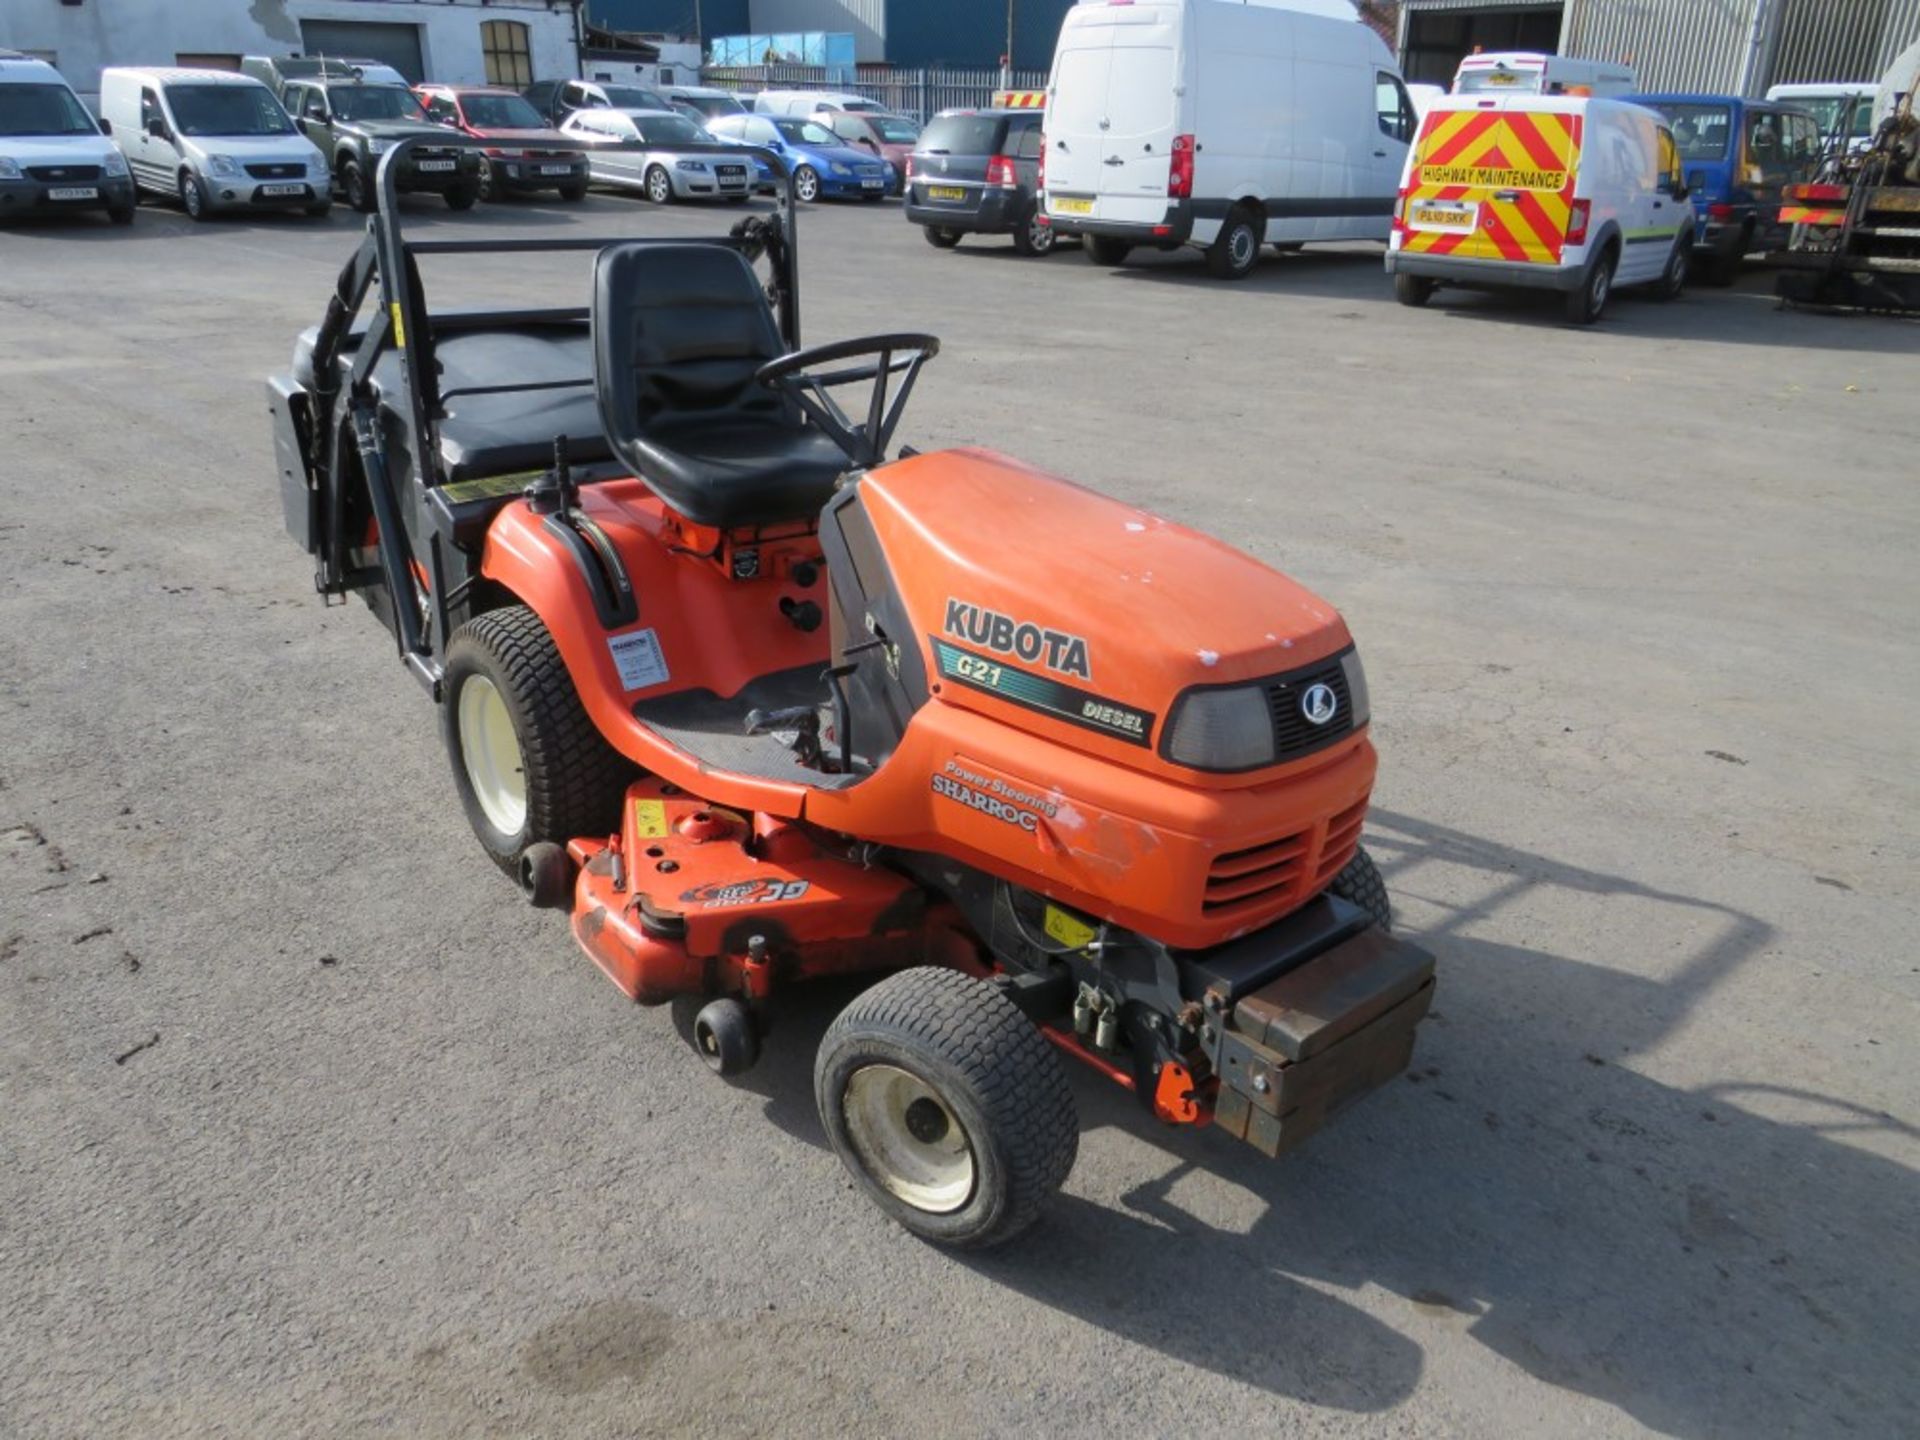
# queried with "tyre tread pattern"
point(1359, 882)
point(1013, 1070)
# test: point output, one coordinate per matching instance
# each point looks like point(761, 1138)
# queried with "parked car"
point(1545, 192)
point(705, 101)
point(645, 150)
point(822, 166)
point(811, 102)
point(1739, 156)
point(892, 137)
point(1232, 125)
point(1844, 113)
point(557, 99)
point(53, 156)
point(275, 71)
point(354, 124)
point(524, 153)
point(213, 140)
point(977, 172)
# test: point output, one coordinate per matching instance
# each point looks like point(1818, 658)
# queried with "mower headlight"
point(1359, 703)
point(1228, 729)
point(113, 164)
point(223, 166)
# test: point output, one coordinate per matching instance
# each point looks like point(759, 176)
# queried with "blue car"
point(823, 166)
point(1739, 156)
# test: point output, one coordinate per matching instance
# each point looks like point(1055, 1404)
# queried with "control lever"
point(556, 491)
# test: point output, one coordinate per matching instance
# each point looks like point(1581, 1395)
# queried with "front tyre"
point(948, 1106)
point(806, 184)
point(529, 764)
point(1673, 279)
point(659, 185)
point(193, 196)
point(359, 190)
point(1359, 882)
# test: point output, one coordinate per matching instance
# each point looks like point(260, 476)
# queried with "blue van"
point(1739, 155)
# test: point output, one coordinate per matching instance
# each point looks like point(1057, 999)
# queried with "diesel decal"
point(744, 892)
point(1037, 692)
point(1004, 635)
point(1002, 810)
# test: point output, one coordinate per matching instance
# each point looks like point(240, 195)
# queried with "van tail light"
point(1719, 212)
point(1577, 220)
point(909, 167)
point(1180, 173)
point(1041, 182)
point(1829, 194)
point(1000, 172)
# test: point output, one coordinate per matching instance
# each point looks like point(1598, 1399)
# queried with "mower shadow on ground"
point(1710, 1262)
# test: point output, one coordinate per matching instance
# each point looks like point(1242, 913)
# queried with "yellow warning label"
point(399, 329)
point(1071, 932)
point(649, 819)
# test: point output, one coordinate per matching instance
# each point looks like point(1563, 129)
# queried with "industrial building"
point(1723, 46)
point(904, 33)
point(455, 41)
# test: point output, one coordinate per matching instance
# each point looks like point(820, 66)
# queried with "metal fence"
point(921, 94)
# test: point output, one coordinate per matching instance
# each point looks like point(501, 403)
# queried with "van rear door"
point(1493, 184)
point(1111, 112)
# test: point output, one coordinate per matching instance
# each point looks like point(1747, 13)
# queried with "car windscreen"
point(805, 132)
point(43, 110)
point(894, 129)
point(500, 112)
point(632, 97)
point(1701, 131)
point(227, 110)
point(668, 130)
point(375, 102)
point(961, 135)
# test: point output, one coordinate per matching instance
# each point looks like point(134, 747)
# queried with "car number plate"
point(1442, 215)
point(1069, 205)
point(556, 169)
point(73, 192)
point(945, 192)
point(283, 189)
point(436, 164)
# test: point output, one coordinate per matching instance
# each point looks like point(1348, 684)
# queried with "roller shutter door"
point(395, 45)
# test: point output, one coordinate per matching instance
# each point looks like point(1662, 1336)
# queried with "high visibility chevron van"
point(1546, 192)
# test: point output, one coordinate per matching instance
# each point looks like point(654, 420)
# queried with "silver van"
point(213, 140)
point(52, 154)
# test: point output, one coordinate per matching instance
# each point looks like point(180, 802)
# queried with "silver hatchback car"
point(639, 150)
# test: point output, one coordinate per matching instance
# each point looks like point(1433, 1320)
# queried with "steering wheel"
point(864, 442)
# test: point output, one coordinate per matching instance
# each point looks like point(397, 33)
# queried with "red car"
point(529, 154)
point(891, 137)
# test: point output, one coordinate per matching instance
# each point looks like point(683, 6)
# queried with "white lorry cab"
point(1545, 192)
point(1532, 73)
point(53, 156)
point(1220, 125)
point(213, 140)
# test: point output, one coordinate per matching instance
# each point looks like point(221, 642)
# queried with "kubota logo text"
point(1021, 639)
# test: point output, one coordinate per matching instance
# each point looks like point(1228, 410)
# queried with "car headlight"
point(10, 169)
point(223, 166)
point(698, 165)
point(379, 147)
point(1229, 729)
point(837, 168)
point(317, 166)
point(115, 164)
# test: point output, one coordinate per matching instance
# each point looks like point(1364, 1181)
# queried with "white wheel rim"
point(657, 185)
point(907, 1139)
point(490, 751)
point(806, 186)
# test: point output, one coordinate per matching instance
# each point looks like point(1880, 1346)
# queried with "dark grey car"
point(977, 172)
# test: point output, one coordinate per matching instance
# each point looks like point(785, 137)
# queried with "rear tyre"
point(1588, 300)
point(1107, 251)
point(359, 191)
point(948, 1106)
point(461, 198)
point(1034, 238)
point(806, 185)
point(659, 185)
point(1673, 279)
point(939, 238)
point(1359, 882)
point(1414, 290)
point(529, 764)
point(724, 1034)
point(193, 196)
point(1236, 249)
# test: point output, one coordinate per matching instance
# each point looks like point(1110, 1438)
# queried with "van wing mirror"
point(157, 128)
point(106, 126)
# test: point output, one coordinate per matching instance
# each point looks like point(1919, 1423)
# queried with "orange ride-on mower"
point(756, 702)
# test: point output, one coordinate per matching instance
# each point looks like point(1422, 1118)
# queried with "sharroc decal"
point(1021, 639)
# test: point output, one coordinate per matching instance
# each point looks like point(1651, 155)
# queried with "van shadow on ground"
point(1731, 1260)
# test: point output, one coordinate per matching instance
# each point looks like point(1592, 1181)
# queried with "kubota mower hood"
point(1080, 601)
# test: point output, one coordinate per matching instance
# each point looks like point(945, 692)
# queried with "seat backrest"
point(678, 331)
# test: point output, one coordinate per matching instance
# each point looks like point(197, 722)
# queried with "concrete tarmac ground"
point(309, 1126)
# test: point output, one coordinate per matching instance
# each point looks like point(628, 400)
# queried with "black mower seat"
point(679, 331)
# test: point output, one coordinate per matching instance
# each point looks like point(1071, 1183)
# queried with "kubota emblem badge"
point(1318, 704)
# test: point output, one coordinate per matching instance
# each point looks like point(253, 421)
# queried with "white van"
point(1843, 112)
point(812, 102)
point(53, 156)
point(1220, 125)
point(212, 139)
point(1529, 72)
point(1542, 192)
